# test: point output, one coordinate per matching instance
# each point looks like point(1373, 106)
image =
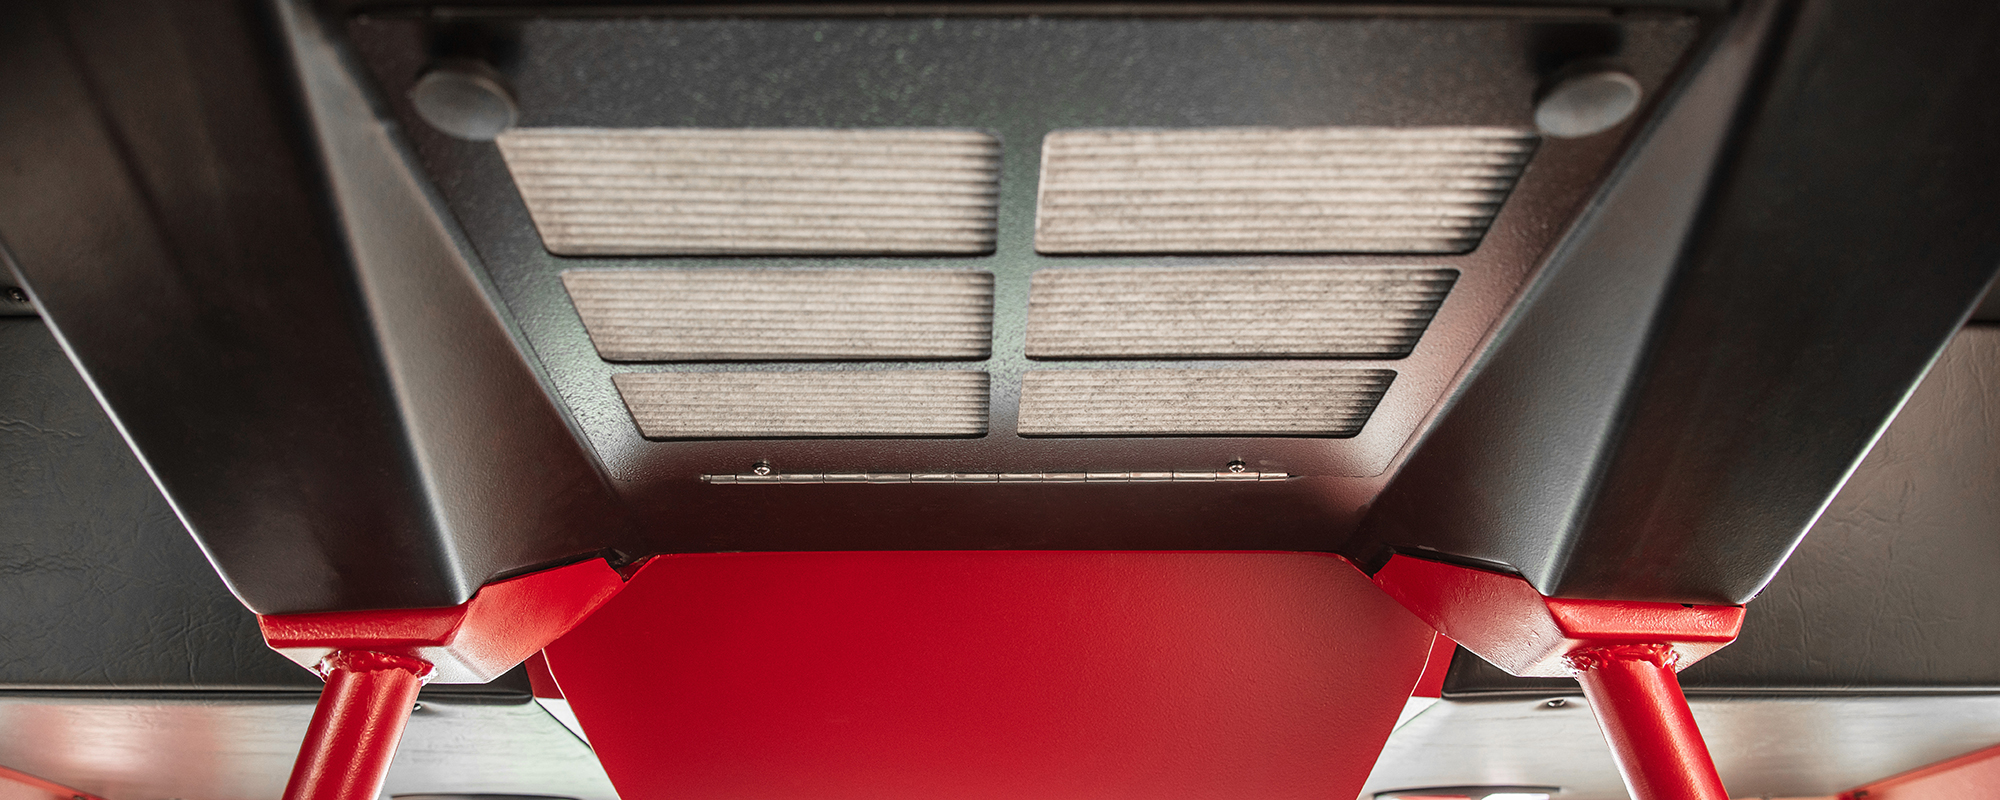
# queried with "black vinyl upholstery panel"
point(103, 587)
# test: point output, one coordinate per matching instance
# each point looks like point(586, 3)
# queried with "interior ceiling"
point(345, 353)
point(1908, 536)
point(414, 405)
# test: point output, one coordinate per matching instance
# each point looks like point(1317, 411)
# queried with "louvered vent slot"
point(791, 405)
point(1150, 312)
point(1224, 190)
point(1200, 402)
point(710, 314)
point(686, 191)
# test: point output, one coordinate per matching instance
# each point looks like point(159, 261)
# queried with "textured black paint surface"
point(100, 585)
point(271, 308)
point(1674, 443)
point(1893, 589)
point(163, 204)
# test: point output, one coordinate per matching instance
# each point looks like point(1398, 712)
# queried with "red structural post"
point(1637, 699)
point(374, 662)
point(1625, 653)
point(355, 728)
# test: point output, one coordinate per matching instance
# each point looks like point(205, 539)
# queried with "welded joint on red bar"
point(371, 661)
point(474, 642)
point(1660, 655)
point(1504, 620)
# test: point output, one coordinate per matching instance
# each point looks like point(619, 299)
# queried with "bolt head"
point(1587, 104)
point(465, 100)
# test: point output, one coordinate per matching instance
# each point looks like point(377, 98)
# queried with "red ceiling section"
point(975, 675)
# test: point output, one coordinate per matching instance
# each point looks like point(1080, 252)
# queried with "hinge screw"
point(1237, 466)
point(761, 468)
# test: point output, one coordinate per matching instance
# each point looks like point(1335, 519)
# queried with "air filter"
point(1293, 401)
point(690, 191)
point(816, 404)
point(1223, 190)
point(1150, 312)
point(713, 314)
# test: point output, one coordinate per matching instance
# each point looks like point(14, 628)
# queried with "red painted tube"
point(355, 728)
point(1638, 703)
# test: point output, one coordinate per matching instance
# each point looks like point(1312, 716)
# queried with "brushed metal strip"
point(806, 404)
point(715, 314)
point(693, 191)
point(1283, 401)
point(1222, 190)
point(1169, 312)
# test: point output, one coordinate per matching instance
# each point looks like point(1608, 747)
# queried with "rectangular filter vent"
point(1151, 312)
point(799, 405)
point(1238, 190)
point(692, 191)
point(1294, 401)
point(709, 314)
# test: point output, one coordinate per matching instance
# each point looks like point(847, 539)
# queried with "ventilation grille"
point(743, 314)
point(794, 405)
point(1222, 190)
point(1200, 402)
point(687, 191)
point(1208, 313)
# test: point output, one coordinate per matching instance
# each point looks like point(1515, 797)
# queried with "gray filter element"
point(1290, 401)
point(716, 314)
point(815, 404)
point(1240, 190)
point(1154, 312)
point(691, 191)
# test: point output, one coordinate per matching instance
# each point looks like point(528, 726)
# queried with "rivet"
point(1237, 466)
point(761, 468)
point(14, 294)
point(1555, 703)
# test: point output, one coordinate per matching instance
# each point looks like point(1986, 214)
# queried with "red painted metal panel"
point(539, 680)
point(17, 785)
point(1973, 775)
point(1507, 622)
point(976, 675)
point(473, 642)
point(1436, 667)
